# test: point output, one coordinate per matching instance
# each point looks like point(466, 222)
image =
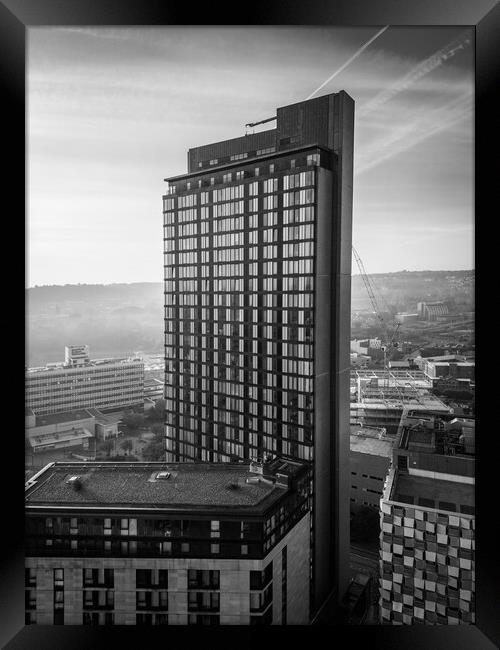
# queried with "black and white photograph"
point(250, 326)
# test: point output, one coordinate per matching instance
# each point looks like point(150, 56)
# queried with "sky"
point(111, 112)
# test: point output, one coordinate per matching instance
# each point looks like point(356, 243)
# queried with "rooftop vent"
point(75, 482)
point(163, 476)
point(256, 467)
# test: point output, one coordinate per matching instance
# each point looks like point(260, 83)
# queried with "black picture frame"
point(18, 15)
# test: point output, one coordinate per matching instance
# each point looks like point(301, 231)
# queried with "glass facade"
point(239, 313)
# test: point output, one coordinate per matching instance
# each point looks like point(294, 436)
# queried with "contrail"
point(413, 134)
point(419, 71)
point(354, 56)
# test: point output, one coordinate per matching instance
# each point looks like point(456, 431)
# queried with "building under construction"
point(386, 412)
point(380, 397)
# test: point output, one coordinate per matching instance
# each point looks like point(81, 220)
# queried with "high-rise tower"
point(257, 309)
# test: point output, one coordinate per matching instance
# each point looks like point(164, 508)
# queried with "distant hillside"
point(402, 291)
point(119, 319)
point(115, 319)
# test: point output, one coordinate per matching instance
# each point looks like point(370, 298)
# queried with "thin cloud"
point(411, 134)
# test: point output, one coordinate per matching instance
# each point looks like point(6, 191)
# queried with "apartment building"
point(177, 544)
point(427, 541)
point(257, 299)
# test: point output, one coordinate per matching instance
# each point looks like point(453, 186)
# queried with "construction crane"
point(370, 289)
point(389, 339)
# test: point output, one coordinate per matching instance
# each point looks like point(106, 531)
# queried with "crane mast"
point(388, 339)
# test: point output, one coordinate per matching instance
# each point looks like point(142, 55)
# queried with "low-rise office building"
point(79, 383)
point(177, 544)
point(71, 429)
point(106, 424)
point(438, 369)
point(427, 565)
point(370, 458)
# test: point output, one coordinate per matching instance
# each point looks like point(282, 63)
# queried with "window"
point(163, 578)
point(259, 600)
point(260, 579)
point(58, 578)
point(90, 576)
point(144, 619)
point(143, 600)
point(30, 599)
point(109, 577)
point(203, 579)
point(264, 619)
point(402, 462)
point(58, 596)
point(58, 616)
point(203, 600)
point(203, 619)
point(143, 578)
point(30, 577)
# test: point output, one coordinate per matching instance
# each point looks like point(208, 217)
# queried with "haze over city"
point(112, 112)
point(222, 426)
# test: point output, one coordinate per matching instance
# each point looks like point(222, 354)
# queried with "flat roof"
point(423, 403)
point(60, 418)
point(433, 493)
point(94, 363)
point(466, 364)
point(366, 443)
point(134, 485)
point(105, 418)
point(152, 381)
point(63, 436)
